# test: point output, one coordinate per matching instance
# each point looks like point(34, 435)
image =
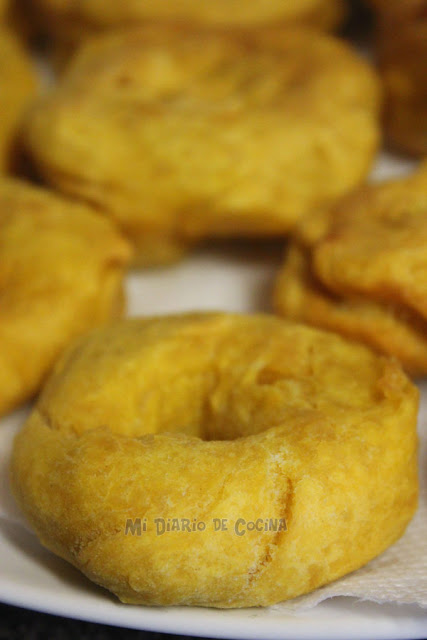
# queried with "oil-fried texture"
point(360, 269)
point(219, 416)
point(376, 244)
point(387, 328)
point(182, 138)
point(61, 268)
point(17, 88)
point(68, 21)
point(402, 50)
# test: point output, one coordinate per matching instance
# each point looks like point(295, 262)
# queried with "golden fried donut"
point(360, 268)
point(17, 87)
point(376, 244)
point(218, 418)
point(180, 139)
point(402, 53)
point(387, 328)
point(61, 269)
point(68, 21)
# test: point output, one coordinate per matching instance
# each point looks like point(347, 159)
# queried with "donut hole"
point(240, 392)
point(226, 404)
point(220, 402)
point(209, 381)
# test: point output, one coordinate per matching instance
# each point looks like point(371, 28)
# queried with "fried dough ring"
point(376, 244)
point(387, 328)
point(227, 417)
point(61, 271)
point(179, 139)
point(360, 268)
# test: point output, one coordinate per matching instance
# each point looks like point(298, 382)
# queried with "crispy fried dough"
point(376, 244)
point(389, 329)
point(210, 418)
point(371, 242)
point(61, 268)
point(184, 138)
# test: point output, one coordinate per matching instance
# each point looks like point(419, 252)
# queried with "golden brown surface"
point(69, 21)
point(376, 244)
point(61, 269)
point(402, 49)
point(219, 416)
point(360, 268)
point(17, 88)
point(182, 138)
point(389, 329)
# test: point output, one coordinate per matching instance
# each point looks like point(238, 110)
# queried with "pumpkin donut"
point(388, 328)
point(376, 244)
point(61, 268)
point(245, 421)
point(360, 268)
point(183, 138)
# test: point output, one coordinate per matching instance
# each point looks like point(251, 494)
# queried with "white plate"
point(235, 278)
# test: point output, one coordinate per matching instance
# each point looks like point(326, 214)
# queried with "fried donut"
point(218, 418)
point(387, 328)
point(68, 21)
point(17, 87)
point(61, 269)
point(360, 269)
point(179, 139)
point(402, 53)
point(376, 245)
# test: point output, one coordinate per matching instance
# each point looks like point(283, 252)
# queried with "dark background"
point(20, 624)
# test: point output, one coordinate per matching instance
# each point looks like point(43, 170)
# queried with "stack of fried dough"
point(360, 269)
